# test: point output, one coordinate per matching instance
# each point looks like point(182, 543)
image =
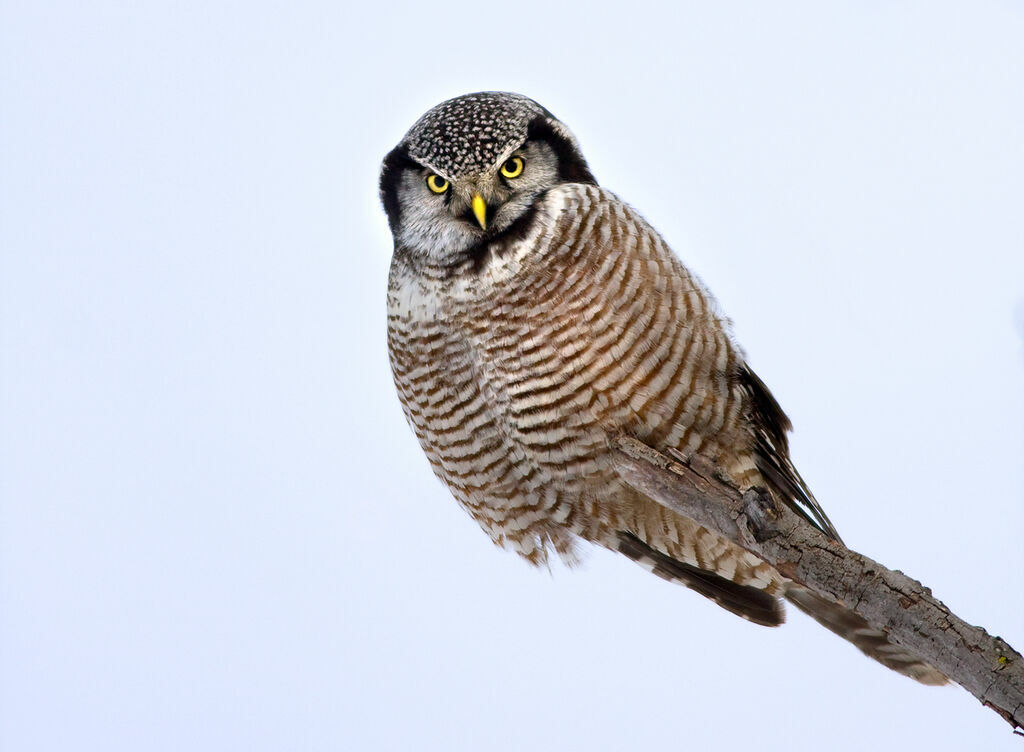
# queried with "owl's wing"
point(771, 449)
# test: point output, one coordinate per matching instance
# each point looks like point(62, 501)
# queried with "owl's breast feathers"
point(514, 373)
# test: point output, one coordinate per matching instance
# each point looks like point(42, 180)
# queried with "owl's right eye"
point(437, 184)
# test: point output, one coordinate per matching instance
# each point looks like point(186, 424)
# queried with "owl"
point(534, 317)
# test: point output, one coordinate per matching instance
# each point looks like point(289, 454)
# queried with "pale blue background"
point(216, 530)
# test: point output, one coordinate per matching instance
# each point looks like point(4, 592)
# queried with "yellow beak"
point(480, 210)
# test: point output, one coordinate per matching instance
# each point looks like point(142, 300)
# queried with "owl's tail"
point(874, 643)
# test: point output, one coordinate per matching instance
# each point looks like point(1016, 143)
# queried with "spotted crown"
point(466, 135)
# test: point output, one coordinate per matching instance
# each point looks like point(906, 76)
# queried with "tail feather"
point(874, 643)
point(752, 603)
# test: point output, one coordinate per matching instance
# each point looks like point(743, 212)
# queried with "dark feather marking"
point(746, 601)
point(496, 243)
point(395, 162)
point(572, 167)
point(772, 454)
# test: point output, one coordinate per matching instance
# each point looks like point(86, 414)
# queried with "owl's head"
point(470, 171)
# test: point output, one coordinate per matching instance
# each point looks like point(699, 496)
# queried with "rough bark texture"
point(985, 666)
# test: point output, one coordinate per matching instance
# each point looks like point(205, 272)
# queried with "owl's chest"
point(491, 391)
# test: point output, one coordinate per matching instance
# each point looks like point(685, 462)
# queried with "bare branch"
point(985, 666)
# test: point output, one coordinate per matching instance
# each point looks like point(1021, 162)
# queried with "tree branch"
point(985, 666)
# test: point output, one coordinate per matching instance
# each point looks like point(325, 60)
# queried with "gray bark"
point(985, 666)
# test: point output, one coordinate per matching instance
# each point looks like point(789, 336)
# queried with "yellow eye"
point(437, 184)
point(513, 168)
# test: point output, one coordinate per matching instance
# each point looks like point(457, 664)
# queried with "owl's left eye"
point(437, 184)
point(513, 168)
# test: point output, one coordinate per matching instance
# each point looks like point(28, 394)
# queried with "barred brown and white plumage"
point(532, 317)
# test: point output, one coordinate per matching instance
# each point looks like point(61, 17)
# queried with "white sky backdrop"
point(216, 530)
